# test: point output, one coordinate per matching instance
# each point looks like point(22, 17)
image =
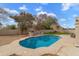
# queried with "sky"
point(66, 13)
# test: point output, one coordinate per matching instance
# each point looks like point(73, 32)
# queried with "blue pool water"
point(40, 41)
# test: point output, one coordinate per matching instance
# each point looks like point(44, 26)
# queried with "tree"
point(48, 22)
point(44, 21)
point(0, 25)
point(39, 26)
point(13, 27)
point(25, 21)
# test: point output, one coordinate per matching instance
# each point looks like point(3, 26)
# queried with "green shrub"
point(59, 33)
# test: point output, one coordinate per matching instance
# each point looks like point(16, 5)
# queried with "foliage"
point(25, 21)
point(0, 24)
point(11, 26)
point(48, 22)
point(57, 33)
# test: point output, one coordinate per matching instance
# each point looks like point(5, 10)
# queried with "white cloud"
point(41, 12)
point(51, 14)
point(67, 6)
point(10, 19)
point(38, 9)
point(4, 17)
point(62, 20)
point(64, 24)
point(12, 12)
point(23, 8)
point(75, 15)
point(48, 14)
point(7, 21)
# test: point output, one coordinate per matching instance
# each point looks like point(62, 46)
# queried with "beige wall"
point(9, 32)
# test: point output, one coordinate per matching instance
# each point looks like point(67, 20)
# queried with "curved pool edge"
point(17, 49)
point(38, 45)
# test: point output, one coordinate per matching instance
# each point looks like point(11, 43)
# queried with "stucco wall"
point(9, 32)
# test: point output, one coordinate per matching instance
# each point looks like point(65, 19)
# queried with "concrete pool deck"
point(64, 47)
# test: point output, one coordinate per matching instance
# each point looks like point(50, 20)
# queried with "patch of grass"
point(57, 33)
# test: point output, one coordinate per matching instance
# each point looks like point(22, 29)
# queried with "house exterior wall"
point(77, 31)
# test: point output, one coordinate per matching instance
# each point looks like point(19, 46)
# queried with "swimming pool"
point(39, 41)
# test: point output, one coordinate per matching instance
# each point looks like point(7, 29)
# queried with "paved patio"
point(64, 47)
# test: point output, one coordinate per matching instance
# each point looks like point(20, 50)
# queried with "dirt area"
point(8, 39)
